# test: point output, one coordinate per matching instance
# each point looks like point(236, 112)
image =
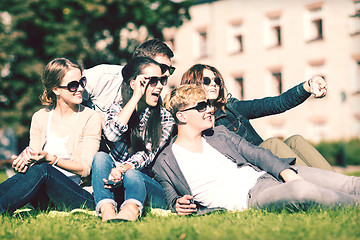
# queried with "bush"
point(339, 152)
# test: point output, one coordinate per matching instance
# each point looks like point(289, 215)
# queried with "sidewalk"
point(347, 169)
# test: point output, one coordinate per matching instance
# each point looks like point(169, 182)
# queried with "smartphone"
point(113, 184)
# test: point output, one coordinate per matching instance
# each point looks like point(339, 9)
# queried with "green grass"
point(250, 224)
point(321, 223)
point(3, 176)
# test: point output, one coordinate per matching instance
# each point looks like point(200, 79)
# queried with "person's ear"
point(56, 91)
point(132, 84)
point(181, 117)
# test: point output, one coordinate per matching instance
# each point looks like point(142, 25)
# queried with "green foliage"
point(340, 153)
point(250, 224)
point(32, 32)
point(3, 176)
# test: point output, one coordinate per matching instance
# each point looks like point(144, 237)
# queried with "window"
point(318, 129)
point(203, 44)
point(273, 82)
point(236, 38)
point(200, 43)
point(314, 23)
point(277, 82)
point(356, 124)
point(273, 32)
point(316, 68)
point(355, 19)
point(355, 78)
point(240, 82)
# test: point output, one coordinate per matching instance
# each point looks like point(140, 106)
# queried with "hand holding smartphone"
point(113, 184)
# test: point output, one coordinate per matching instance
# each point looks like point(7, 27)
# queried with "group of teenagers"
point(193, 152)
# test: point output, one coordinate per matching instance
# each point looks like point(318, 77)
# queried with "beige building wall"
point(210, 38)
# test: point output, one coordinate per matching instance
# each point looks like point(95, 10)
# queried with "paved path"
point(347, 169)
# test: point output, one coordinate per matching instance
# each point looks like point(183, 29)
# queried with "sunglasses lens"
point(83, 82)
point(153, 81)
point(73, 86)
point(164, 68)
point(201, 106)
point(163, 80)
point(217, 81)
point(207, 80)
point(171, 70)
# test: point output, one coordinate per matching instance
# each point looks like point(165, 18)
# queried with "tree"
point(91, 31)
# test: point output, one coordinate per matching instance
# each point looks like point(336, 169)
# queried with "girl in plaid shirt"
point(139, 127)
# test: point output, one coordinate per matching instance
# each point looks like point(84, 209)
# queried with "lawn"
point(250, 224)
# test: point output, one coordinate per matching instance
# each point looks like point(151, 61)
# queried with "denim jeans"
point(318, 187)
point(139, 188)
point(41, 184)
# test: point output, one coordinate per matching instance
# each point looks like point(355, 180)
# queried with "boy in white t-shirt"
point(206, 167)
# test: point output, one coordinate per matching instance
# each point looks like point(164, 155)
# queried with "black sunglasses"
point(207, 81)
point(153, 81)
point(74, 85)
point(200, 106)
point(165, 68)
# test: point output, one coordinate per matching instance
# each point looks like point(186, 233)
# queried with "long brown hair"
point(195, 74)
point(52, 76)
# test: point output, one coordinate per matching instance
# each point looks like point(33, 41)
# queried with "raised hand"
point(318, 86)
point(139, 86)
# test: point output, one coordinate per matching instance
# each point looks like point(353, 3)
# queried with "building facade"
point(264, 47)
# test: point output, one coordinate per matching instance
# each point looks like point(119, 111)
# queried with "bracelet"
point(122, 169)
point(56, 160)
point(309, 82)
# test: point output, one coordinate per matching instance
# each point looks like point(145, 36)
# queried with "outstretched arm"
point(267, 106)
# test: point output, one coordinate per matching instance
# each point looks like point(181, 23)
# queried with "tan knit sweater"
point(84, 140)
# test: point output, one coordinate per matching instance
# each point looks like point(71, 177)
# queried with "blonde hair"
point(183, 96)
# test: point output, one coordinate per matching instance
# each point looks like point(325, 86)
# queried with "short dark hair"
point(153, 47)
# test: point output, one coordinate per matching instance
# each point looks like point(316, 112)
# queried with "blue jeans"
point(318, 187)
point(139, 188)
point(40, 185)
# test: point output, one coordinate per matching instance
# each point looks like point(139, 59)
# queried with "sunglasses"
point(207, 81)
point(153, 81)
point(74, 85)
point(200, 106)
point(165, 68)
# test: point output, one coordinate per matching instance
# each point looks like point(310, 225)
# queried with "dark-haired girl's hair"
point(153, 126)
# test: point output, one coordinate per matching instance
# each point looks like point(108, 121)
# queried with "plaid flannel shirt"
point(114, 130)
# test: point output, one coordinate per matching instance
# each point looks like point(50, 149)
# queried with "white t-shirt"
point(56, 146)
point(103, 86)
point(215, 180)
